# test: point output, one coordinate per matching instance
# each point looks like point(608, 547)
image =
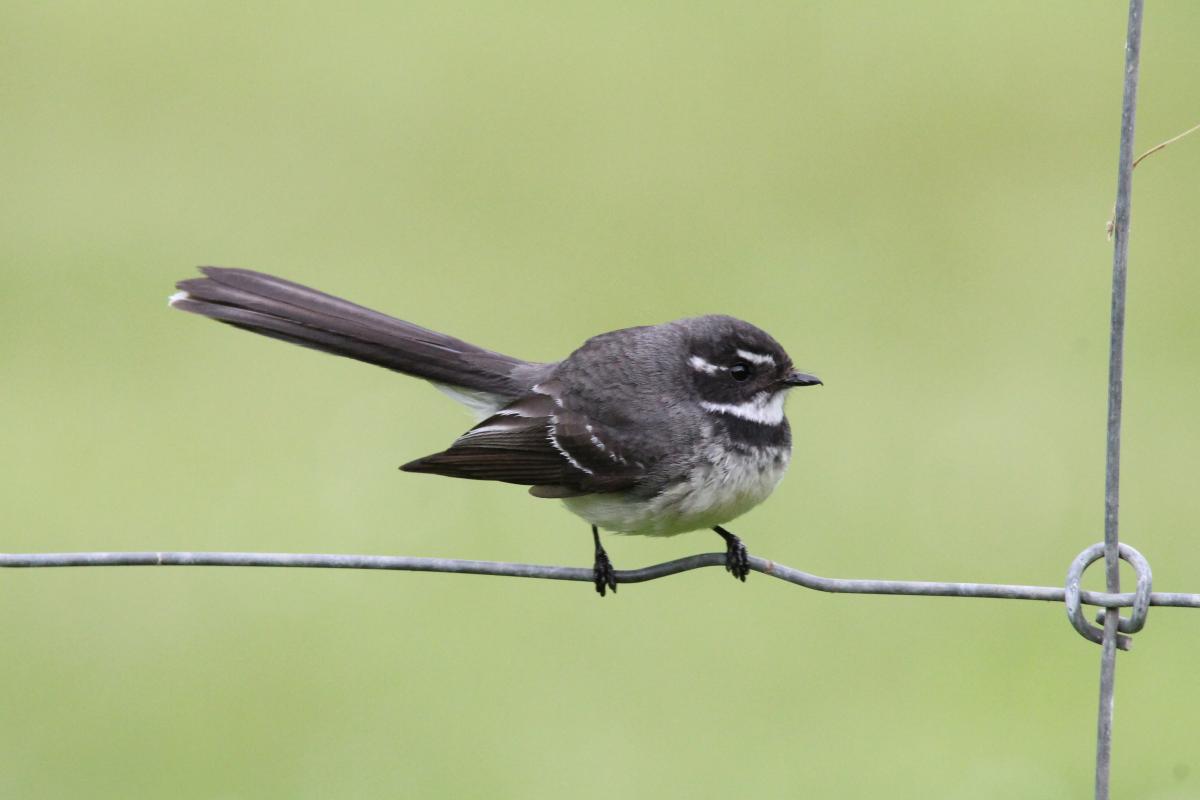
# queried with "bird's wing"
point(539, 441)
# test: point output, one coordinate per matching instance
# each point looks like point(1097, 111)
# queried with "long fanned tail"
point(293, 313)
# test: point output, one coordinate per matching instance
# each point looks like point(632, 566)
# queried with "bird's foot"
point(737, 558)
point(603, 574)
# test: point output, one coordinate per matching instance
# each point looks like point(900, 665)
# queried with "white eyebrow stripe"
point(763, 408)
point(756, 358)
point(700, 365)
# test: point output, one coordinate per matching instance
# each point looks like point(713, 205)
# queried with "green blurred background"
point(910, 196)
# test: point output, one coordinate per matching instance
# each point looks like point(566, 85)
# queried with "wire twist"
point(1141, 598)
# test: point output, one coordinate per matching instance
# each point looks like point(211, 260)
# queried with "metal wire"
point(1116, 372)
point(774, 569)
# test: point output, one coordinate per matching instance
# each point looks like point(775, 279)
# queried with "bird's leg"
point(737, 560)
point(603, 573)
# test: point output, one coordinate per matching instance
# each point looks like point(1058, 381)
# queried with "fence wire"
point(1110, 639)
point(1071, 594)
point(1001, 591)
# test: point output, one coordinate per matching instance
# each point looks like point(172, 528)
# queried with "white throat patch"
point(765, 408)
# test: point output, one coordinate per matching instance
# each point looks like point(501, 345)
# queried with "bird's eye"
point(741, 371)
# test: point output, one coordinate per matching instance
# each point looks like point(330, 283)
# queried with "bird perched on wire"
point(654, 430)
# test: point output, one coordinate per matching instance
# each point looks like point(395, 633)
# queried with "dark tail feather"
point(284, 310)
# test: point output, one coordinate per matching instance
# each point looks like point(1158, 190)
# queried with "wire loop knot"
point(1141, 598)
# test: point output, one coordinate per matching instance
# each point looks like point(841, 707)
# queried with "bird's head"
point(740, 370)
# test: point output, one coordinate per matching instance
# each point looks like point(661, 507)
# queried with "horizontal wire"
point(416, 564)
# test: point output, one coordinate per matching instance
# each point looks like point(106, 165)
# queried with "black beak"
point(795, 378)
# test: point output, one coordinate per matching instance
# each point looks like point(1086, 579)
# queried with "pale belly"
point(723, 486)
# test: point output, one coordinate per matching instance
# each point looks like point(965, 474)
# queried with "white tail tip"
point(175, 298)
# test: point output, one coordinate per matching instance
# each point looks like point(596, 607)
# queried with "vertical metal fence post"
point(1112, 478)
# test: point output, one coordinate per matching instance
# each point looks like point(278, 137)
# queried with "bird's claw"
point(603, 574)
point(737, 558)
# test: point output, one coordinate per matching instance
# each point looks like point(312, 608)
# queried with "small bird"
point(654, 430)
